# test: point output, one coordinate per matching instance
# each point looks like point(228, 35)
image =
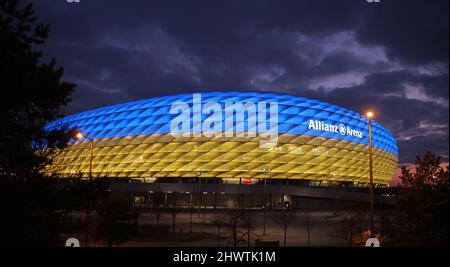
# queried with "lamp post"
point(79, 135)
point(370, 116)
point(265, 200)
point(199, 193)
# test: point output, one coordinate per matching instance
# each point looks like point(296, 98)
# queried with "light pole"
point(191, 211)
point(370, 116)
point(265, 200)
point(199, 193)
point(79, 135)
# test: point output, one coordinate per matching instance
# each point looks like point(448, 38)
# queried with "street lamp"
point(80, 135)
point(199, 192)
point(265, 200)
point(370, 115)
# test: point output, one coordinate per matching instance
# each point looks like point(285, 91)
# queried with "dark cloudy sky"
point(390, 56)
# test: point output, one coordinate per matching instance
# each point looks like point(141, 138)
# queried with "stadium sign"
point(339, 129)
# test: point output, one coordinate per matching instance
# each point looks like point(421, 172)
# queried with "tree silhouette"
point(422, 217)
point(308, 223)
point(284, 218)
point(32, 91)
point(218, 220)
point(249, 225)
point(232, 221)
point(117, 222)
point(31, 95)
point(352, 221)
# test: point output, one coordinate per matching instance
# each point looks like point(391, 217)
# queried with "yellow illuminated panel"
point(161, 155)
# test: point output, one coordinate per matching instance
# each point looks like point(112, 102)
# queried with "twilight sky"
point(390, 56)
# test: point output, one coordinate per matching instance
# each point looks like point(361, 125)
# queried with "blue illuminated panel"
point(151, 116)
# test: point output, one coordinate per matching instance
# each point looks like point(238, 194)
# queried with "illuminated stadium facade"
point(311, 141)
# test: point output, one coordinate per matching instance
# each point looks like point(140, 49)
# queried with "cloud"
point(418, 93)
point(414, 32)
point(391, 57)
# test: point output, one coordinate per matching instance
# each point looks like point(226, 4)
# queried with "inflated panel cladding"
point(152, 116)
point(133, 140)
point(338, 160)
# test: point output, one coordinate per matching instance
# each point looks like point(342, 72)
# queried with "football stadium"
point(224, 142)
